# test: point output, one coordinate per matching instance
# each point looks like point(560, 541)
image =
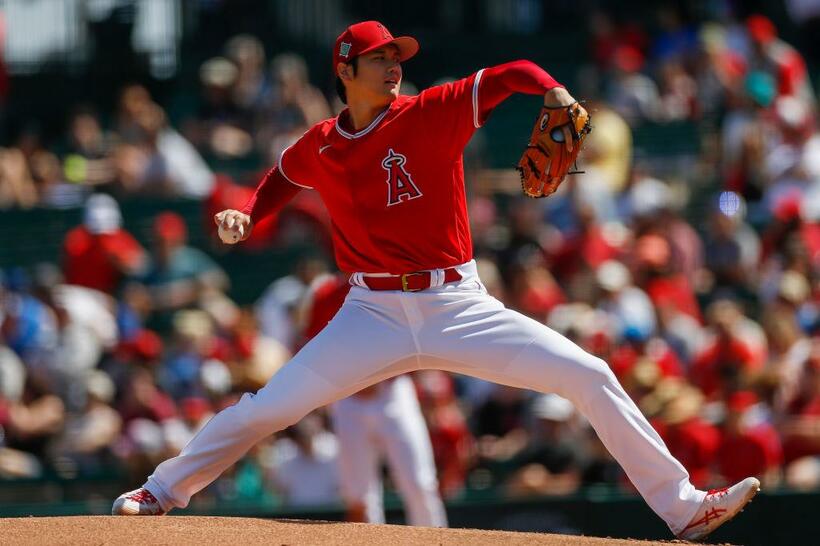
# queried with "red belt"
point(409, 282)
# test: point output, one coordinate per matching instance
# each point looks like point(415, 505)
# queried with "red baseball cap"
point(171, 226)
point(367, 36)
point(741, 401)
point(761, 29)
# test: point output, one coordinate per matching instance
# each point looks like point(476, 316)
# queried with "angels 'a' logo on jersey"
point(400, 185)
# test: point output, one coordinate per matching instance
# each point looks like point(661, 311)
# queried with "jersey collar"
point(373, 124)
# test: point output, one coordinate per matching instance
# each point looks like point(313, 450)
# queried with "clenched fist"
point(234, 226)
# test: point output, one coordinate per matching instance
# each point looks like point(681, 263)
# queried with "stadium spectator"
point(552, 461)
point(172, 166)
point(303, 466)
point(608, 151)
point(17, 187)
point(731, 248)
point(532, 288)
point(291, 105)
point(632, 94)
point(731, 356)
point(89, 434)
point(248, 54)
point(789, 348)
point(640, 361)
point(54, 190)
point(30, 425)
point(692, 440)
point(627, 307)
point(749, 445)
point(179, 274)
point(13, 463)
point(27, 325)
point(276, 308)
point(194, 412)
point(657, 276)
point(744, 134)
point(195, 341)
point(221, 127)
point(81, 328)
point(781, 60)
point(801, 433)
point(143, 399)
point(99, 254)
point(499, 424)
point(678, 92)
point(87, 160)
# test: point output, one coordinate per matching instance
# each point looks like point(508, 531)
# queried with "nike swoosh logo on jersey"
point(323, 148)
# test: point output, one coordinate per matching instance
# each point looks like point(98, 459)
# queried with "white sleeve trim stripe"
point(475, 98)
point(282, 170)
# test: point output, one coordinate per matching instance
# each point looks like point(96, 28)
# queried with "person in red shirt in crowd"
point(533, 290)
point(775, 56)
point(144, 409)
point(607, 36)
point(99, 253)
point(801, 428)
point(641, 347)
point(729, 360)
point(748, 446)
point(692, 440)
point(793, 231)
point(583, 249)
point(642, 363)
point(144, 348)
point(665, 287)
point(143, 399)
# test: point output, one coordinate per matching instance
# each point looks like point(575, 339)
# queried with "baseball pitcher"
point(389, 169)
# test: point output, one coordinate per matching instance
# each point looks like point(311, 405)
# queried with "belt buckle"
point(404, 287)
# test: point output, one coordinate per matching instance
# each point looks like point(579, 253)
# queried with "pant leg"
point(359, 469)
point(471, 333)
point(410, 456)
point(366, 341)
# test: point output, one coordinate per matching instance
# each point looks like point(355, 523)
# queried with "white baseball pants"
point(388, 424)
point(458, 328)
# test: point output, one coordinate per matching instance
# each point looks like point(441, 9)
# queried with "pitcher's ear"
point(344, 72)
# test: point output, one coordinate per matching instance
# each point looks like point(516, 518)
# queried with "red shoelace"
point(717, 492)
point(143, 495)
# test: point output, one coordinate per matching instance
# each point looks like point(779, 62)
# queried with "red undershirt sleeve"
point(272, 193)
point(499, 82)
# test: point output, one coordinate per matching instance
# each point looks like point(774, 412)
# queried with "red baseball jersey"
point(395, 189)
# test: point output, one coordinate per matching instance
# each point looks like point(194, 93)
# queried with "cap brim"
point(408, 47)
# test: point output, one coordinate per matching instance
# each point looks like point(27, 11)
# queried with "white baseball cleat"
point(719, 506)
point(139, 502)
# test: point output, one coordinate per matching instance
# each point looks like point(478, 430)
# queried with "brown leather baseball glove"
point(553, 148)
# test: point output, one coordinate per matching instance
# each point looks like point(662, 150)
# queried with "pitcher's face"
point(378, 77)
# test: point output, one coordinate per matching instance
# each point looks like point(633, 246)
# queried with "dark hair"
point(340, 86)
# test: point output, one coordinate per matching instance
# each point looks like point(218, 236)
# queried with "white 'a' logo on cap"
point(344, 50)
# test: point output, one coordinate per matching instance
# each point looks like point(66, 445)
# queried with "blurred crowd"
point(115, 357)
point(245, 110)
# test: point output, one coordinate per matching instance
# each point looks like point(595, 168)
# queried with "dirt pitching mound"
point(191, 530)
